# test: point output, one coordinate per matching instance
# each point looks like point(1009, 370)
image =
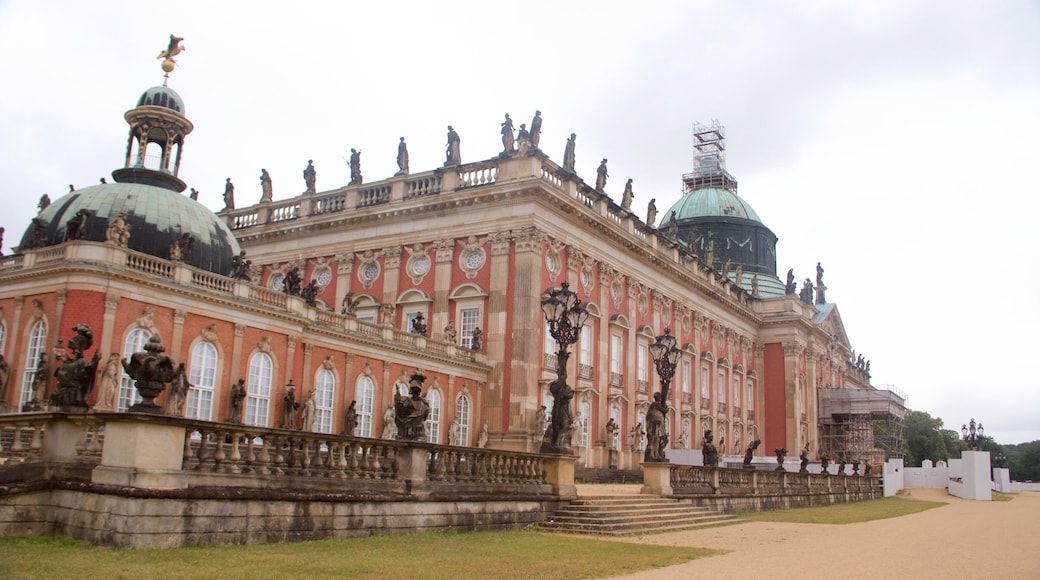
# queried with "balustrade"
point(280, 213)
point(475, 174)
point(330, 203)
point(149, 265)
point(209, 281)
point(373, 196)
point(428, 185)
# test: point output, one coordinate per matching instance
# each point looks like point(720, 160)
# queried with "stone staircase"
point(620, 515)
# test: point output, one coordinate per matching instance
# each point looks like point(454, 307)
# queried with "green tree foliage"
point(923, 439)
point(1023, 460)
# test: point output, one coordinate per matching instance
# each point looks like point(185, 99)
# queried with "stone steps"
point(627, 515)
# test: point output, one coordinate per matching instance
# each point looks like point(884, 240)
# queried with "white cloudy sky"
point(893, 141)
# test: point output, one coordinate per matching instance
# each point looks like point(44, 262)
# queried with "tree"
point(1023, 460)
point(924, 439)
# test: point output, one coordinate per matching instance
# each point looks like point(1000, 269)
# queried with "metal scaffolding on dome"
point(709, 159)
point(862, 424)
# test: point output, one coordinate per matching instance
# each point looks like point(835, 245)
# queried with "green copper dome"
point(157, 217)
point(162, 97)
point(711, 202)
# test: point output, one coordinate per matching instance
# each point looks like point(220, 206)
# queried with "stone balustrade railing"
point(688, 480)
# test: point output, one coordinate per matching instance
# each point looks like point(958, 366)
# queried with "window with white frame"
point(720, 386)
point(202, 377)
point(687, 429)
point(37, 338)
point(462, 406)
point(364, 395)
point(128, 395)
point(615, 354)
point(585, 346)
point(548, 342)
point(469, 320)
point(433, 422)
point(736, 390)
point(642, 370)
point(686, 379)
point(705, 382)
point(750, 395)
point(584, 415)
point(324, 400)
point(3, 335)
point(258, 390)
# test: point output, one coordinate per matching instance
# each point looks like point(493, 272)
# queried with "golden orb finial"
point(172, 50)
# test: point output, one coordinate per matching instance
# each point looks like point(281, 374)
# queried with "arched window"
point(462, 405)
point(258, 391)
point(365, 394)
point(433, 423)
point(135, 342)
point(37, 337)
point(324, 395)
point(203, 377)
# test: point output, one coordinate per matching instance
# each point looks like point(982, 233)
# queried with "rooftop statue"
point(310, 176)
point(651, 212)
point(229, 195)
point(507, 135)
point(523, 140)
point(355, 167)
point(452, 152)
point(711, 454)
point(601, 175)
point(627, 196)
point(568, 154)
point(172, 49)
point(266, 187)
point(402, 158)
point(536, 129)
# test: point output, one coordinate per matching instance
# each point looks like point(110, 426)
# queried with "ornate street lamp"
point(666, 356)
point(565, 315)
point(972, 434)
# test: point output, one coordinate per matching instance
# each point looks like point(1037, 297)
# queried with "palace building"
point(343, 294)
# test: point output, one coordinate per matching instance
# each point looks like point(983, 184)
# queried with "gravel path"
point(964, 539)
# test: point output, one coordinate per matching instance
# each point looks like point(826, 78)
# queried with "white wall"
point(974, 481)
point(893, 481)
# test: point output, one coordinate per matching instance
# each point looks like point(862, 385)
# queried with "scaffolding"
point(709, 159)
point(862, 424)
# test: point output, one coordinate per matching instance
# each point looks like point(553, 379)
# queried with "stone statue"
point(5, 379)
point(452, 152)
point(309, 412)
point(478, 336)
point(601, 175)
point(389, 424)
point(229, 195)
point(819, 274)
point(410, 413)
point(39, 383)
point(656, 438)
point(309, 293)
point(151, 370)
point(612, 429)
point(523, 140)
point(1, 241)
point(803, 467)
point(450, 334)
point(455, 432)
point(627, 196)
point(419, 324)
point(711, 455)
point(507, 135)
point(194, 195)
point(180, 249)
point(76, 228)
point(806, 295)
point(841, 467)
point(108, 385)
point(754, 285)
point(350, 420)
point(482, 437)
point(568, 154)
point(536, 129)
point(349, 305)
point(651, 212)
point(738, 277)
point(75, 376)
point(867, 469)
point(289, 407)
point(709, 256)
point(240, 267)
point(237, 397)
point(266, 188)
point(37, 233)
point(45, 202)
point(781, 453)
point(310, 177)
point(177, 394)
point(725, 266)
point(638, 437)
point(292, 282)
point(791, 287)
point(750, 453)
point(541, 422)
point(556, 436)
point(575, 433)
point(684, 437)
point(355, 167)
point(825, 463)
point(673, 226)
point(118, 231)
point(402, 158)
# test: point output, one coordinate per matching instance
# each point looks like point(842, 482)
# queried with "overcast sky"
point(893, 141)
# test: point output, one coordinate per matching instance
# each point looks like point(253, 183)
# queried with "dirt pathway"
point(964, 539)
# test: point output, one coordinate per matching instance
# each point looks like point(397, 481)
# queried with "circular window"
point(421, 265)
point(474, 260)
point(278, 283)
point(323, 277)
point(550, 263)
point(586, 279)
point(370, 272)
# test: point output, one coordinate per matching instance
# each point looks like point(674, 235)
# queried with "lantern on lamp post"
point(666, 357)
point(565, 315)
point(972, 434)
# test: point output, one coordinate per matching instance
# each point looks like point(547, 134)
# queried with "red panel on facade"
point(776, 397)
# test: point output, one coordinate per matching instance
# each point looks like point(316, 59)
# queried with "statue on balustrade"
point(292, 282)
point(240, 267)
point(452, 152)
point(541, 422)
point(612, 429)
point(389, 424)
point(355, 167)
point(310, 177)
point(180, 249)
point(118, 231)
point(536, 129)
point(76, 228)
point(349, 305)
point(289, 406)
point(791, 287)
point(309, 293)
point(267, 190)
point(825, 463)
point(5, 379)
point(651, 212)
point(483, 436)
point(450, 333)
point(350, 421)
point(750, 453)
point(673, 226)
point(1, 241)
point(627, 196)
point(309, 412)
point(229, 195)
point(455, 432)
point(45, 202)
point(108, 385)
point(177, 393)
point(237, 397)
point(151, 371)
point(804, 457)
point(601, 175)
point(781, 453)
point(558, 433)
point(523, 140)
point(39, 383)
point(711, 454)
point(507, 136)
point(568, 154)
point(478, 338)
point(419, 324)
point(411, 412)
point(75, 375)
point(402, 158)
point(656, 437)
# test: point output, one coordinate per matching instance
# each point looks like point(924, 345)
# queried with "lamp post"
point(972, 434)
point(666, 356)
point(565, 315)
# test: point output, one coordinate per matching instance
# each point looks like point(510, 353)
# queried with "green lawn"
point(846, 513)
point(514, 554)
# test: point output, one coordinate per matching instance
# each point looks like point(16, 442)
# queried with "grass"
point(846, 513)
point(512, 554)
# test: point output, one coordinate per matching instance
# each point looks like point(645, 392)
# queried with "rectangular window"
point(258, 392)
point(642, 372)
point(324, 395)
point(202, 377)
point(548, 343)
point(469, 319)
point(720, 387)
point(750, 395)
point(686, 377)
point(705, 383)
point(585, 346)
point(736, 390)
point(615, 354)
